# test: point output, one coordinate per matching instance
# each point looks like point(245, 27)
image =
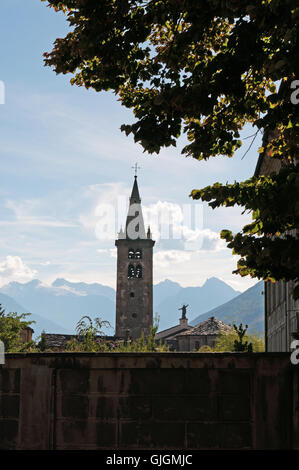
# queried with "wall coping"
point(123, 360)
point(147, 354)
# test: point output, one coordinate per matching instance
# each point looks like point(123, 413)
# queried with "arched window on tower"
point(138, 254)
point(131, 253)
point(138, 272)
point(131, 272)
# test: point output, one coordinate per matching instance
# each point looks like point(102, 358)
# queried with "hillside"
point(10, 305)
point(63, 303)
point(59, 306)
point(246, 308)
point(170, 296)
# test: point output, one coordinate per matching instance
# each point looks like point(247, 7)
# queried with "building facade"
point(168, 336)
point(203, 334)
point(184, 337)
point(281, 310)
point(134, 289)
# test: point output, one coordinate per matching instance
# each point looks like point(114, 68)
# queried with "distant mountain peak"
point(60, 282)
point(20, 285)
point(34, 283)
point(168, 282)
point(216, 282)
point(246, 308)
point(213, 280)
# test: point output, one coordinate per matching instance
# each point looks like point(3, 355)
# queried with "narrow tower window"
point(131, 253)
point(138, 254)
point(131, 271)
point(138, 273)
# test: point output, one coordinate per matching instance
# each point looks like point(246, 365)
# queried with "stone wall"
point(148, 401)
point(194, 342)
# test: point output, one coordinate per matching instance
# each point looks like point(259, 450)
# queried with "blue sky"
point(63, 157)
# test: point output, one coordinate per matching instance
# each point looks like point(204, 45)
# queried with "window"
point(134, 254)
point(138, 271)
point(134, 273)
point(131, 271)
point(132, 294)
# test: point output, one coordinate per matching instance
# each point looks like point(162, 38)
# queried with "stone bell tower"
point(134, 291)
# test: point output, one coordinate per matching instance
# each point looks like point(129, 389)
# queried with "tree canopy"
point(206, 69)
point(238, 340)
point(11, 326)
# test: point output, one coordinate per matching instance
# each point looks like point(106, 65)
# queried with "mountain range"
point(247, 308)
point(40, 324)
point(57, 308)
point(170, 296)
point(63, 303)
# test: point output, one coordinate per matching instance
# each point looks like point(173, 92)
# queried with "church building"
point(134, 290)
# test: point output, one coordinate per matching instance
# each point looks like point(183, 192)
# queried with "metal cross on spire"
point(136, 168)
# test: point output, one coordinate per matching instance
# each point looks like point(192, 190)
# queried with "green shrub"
point(11, 325)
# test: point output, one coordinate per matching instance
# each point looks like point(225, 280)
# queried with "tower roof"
point(135, 197)
point(211, 326)
point(134, 223)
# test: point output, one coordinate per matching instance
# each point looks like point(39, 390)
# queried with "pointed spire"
point(135, 197)
point(134, 224)
point(121, 233)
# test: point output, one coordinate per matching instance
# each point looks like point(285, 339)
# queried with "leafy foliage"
point(11, 326)
point(205, 348)
point(268, 248)
point(203, 68)
point(143, 344)
point(240, 344)
point(42, 344)
point(90, 338)
point(88, 335)
point(239, 340)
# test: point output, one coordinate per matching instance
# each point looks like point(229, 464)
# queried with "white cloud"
point(209, 240)
point(167, 257)
point(113, 252)
point(108, 209)
point(14, 269)
point(28, 212)
point(60, 291)
point(182, 223)
point(199, 266)
point(163, 217)
point(230, 218)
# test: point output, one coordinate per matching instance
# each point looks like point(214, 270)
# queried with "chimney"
point(184, 322)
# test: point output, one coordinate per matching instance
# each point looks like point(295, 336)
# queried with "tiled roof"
point(212, 326)
point(172, 331)
point(59, 341)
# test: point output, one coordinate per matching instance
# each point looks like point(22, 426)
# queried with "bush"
point(205, 348)
point(11, 325)
point(227, 342)
point(90, 338)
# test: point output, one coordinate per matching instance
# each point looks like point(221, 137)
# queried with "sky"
point(66, 175)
